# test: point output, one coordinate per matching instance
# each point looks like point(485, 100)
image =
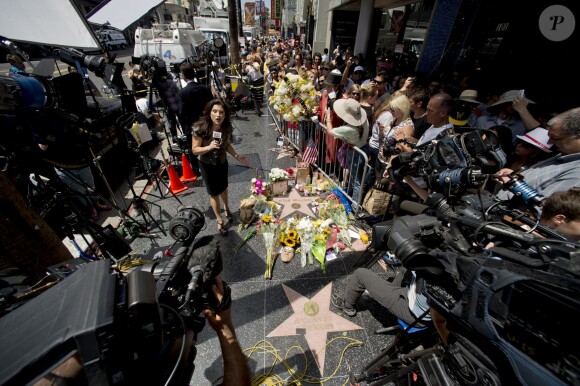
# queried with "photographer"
point(402, 297)
point(438, 115)
point(558, 173)
point(561, 212)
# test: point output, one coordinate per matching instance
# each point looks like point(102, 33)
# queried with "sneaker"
point(338, 302)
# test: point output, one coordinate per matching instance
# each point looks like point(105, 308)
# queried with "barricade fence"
point(345, 165)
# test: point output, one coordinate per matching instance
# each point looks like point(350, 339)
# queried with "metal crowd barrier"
point(347, 168)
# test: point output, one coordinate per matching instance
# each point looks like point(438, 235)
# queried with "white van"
point(112, 40)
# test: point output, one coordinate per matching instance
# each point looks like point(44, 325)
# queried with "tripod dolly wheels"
point(186, 224)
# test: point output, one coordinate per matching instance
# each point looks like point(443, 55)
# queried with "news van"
point(112, 40)
point(168, 42)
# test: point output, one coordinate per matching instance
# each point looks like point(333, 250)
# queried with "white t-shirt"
point(385, 119)
point(432, 133)
point(143, 106)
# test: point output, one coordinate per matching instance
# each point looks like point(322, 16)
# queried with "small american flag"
point(311, 152)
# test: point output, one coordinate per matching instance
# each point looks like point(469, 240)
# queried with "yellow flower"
point(266, 218)
point(363, 237)
point(326, 231)
point(291, 234)
point(281, 237)
point(289, 242)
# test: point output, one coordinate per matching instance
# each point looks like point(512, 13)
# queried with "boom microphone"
point(204, 265)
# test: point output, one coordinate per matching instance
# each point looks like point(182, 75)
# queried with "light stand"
point(142, 207)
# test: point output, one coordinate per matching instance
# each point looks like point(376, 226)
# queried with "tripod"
point(153, 175)
point(143, 208)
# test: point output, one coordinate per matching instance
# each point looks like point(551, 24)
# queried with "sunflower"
point(292, 234)
point(289, 242)
point(281, 237)
point(266, 218)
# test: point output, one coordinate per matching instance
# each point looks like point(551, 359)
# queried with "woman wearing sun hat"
point(531, 148)
point(355, 132)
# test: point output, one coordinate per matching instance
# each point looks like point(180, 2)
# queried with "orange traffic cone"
point(188, 174)
point(175, 184)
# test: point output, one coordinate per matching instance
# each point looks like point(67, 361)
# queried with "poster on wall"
point(249, 13)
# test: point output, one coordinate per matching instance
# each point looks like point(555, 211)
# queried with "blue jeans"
point(356, 164)
point(370, 178)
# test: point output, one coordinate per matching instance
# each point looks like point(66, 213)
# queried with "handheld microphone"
point(216, 152)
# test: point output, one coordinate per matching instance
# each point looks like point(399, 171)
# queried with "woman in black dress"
point(212, 135)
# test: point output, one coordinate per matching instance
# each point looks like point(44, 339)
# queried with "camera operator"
point(192, 100)
point(402, 297)
point(235, 366)
point(438, 115)
point(561, 212)
point(558, 173)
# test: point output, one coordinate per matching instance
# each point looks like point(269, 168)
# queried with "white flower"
point(287, 117)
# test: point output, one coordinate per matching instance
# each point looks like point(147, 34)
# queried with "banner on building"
point(249, 13)
point(276, 10)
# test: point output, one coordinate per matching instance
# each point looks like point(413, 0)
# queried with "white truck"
point(171, 43)
point(215, 29)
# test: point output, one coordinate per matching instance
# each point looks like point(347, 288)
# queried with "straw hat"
point(537, 137)
point(350, 111)
point(469, 96)
point(509, 96)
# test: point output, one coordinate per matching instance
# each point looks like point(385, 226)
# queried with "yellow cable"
point(269, 379)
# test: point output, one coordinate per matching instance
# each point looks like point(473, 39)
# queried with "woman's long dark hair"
point(204, 124)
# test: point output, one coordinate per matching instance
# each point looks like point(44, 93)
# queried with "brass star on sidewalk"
point(295, 202)
point(282, 153)
point(313, 319)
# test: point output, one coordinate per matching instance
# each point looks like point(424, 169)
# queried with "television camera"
point(510, 307)
point(108, 325)
point(451, 163)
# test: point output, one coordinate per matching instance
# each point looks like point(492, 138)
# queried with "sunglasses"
point(355, 93)
point(525, 144)
point(378, 81)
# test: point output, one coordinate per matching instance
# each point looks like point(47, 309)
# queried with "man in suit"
point(192, 100)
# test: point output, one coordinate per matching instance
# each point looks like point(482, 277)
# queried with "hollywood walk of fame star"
point(313, 319)
point(282, 153)
point(295, 202)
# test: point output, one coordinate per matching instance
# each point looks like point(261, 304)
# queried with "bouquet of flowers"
point(322, 231)
point(288, 235)
point(268, 228)
point(258, 187)
point(295, 98)
point(305, 232)
point(277, 174)
point(333, 209)
point(263, 207)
